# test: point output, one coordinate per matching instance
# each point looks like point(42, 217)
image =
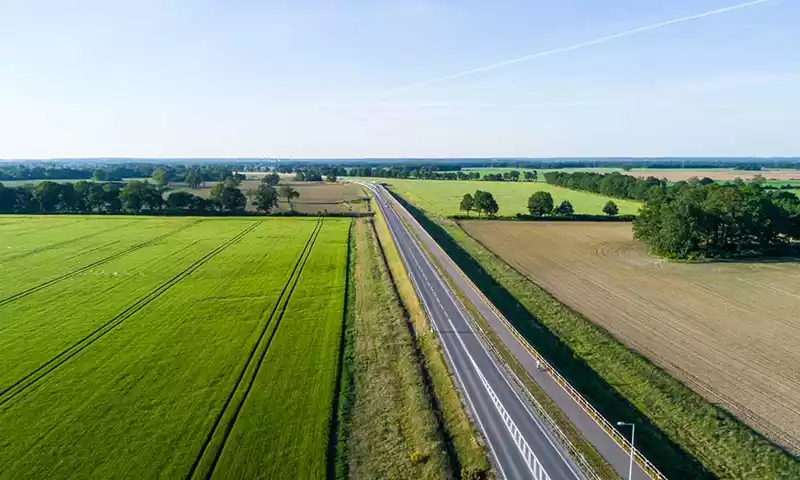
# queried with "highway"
point(520, 444)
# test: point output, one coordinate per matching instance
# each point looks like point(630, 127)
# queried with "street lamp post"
point(633, 432)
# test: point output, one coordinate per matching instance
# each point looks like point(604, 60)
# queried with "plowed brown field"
point(730, 330)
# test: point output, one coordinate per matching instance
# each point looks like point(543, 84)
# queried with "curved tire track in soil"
point(41, 372)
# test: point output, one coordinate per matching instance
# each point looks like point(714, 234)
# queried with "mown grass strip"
point(684, 435)
point(107, 259)
point(280, 304)
point(38, 374)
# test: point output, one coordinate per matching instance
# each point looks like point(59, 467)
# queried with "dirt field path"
point(728, 330)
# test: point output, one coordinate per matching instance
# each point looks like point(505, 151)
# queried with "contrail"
point(574, 47)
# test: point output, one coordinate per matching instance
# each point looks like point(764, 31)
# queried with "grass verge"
point(684, 435)
point(469, 459)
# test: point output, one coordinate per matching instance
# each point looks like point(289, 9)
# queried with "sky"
point(374, 78)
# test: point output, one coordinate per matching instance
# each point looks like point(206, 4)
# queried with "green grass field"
point(442, 197)
point(147, 347)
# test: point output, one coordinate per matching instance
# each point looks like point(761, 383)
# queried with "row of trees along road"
point(138, 197)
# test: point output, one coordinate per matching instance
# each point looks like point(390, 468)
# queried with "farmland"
point(728, 330)
point(442, 197)
point(779, 176)
point(314, 196)
point(144, 347)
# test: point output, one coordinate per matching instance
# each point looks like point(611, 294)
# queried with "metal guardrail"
point(601, 421)
point(587, 407)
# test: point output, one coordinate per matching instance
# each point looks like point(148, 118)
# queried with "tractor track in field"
point(80, 270)
point(279, 307)
point(45, 369)
point(63, 243)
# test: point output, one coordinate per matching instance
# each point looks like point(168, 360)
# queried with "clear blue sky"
point(318, 79)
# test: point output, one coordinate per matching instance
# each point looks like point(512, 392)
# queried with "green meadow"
point(442, 197)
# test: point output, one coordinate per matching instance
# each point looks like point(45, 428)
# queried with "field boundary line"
point(80, 270)
point(286, 290)
point(599, 419)
point(57, 245)
point(42, 371)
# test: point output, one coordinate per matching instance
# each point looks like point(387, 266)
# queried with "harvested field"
point(721, 174)
point(728, 330)
point(168, 347)
point(334, 197)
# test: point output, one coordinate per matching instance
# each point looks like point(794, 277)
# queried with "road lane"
point(520, 444)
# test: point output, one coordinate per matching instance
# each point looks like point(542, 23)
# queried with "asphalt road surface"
point(520, 443)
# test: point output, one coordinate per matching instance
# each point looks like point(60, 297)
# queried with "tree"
point(111, 198)
point(540, 203)
point(288, 192)
point(271, 179)
point(266, 198)
point(564, 208)
point(68, 199)
point(228, 197)
point(193, 178)
point(467, 203)
point(100, 175)
point(186, 201)
point(485, 203)
point(610, 208)
point(331, 177)
point(161, 177)
point(47, 196)
point(137, 196)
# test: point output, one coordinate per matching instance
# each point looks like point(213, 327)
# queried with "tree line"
point(140, 197)
point(719, 221)
point(115, 173)
point(539, 205)
point(608, 184)
point(426, 172)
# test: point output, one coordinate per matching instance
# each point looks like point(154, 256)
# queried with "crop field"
point(314, 196)
point(442, 197)
point(729, 330)
point(172, 347)
point(776, 175)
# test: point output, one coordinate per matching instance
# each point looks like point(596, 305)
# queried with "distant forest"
point(445, 169)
